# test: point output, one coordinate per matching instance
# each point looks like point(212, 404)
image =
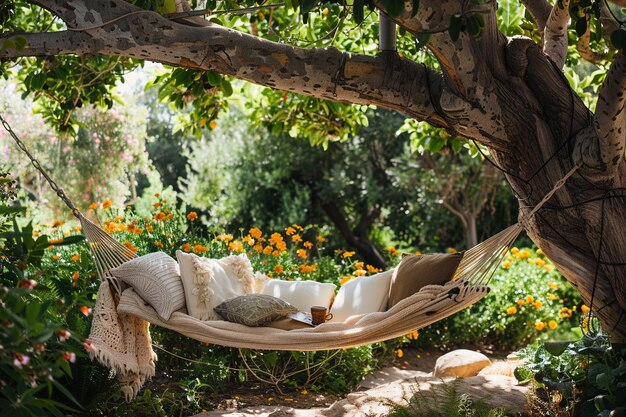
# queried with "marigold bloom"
point(565, 313)
point(278, 269)
point(290, 231)
point(523, 254)
point(296, 238)
point(198, 249)
point(392, 251)
point(345, 279)
point(93, 206)
point(276, 237)
point(348, 254)
point(307, 268)
point(106, 204)
point(413, 335)
point(281, 246)
point(321, 239)
point(258, 247)
point(521, 302)
point(75, 275)
point(255, 232)
point(186, 247)
point(158, 244)
point(249, 240)
point(531, 261)
point(85, 310)
point(225, 237)
point(539, 326)
point(360, 272)
point(553, 286)
point(276, 253)
point(548, 267)
point(506, 264)
point(451, 250)
point(371, 269)
point(235, 246)
point(540, 262)
point(552, 297)
point(75, 257)
point(539, 251)
point(192, 216)
point(400, 353)
point(212, 124)
point(130, 246)
point(585, 309)
point(511, 310)
point(56, 257)
point(159, 216)
point(55, 241)
point(359, 265)
point(417, 252)
point(538, 304)
point(308, 245)
point(585, 324)
point(530, 299)
point(514, 250)
point(302, 253)
point(552, 324)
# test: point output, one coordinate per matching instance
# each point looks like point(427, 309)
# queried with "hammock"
point(120, 337)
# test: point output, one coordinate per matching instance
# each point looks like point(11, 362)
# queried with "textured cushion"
point(254, 310)
point(362, 295)
point(416, 271)
point(156, 278)
point(301, 294)
point(208, 282)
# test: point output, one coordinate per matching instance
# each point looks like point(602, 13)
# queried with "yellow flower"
point(278, 269)
point(539, 325)
point(159, 216)
point(552, 324)
point(523, 254)
point(302, 253)
point(360, 272)
point(565, 313)
point(584, 309)
point(348, 254)
point(413, 335)
point(511, 310)
point(192, 216)
point(539, 251)
point(538, 304)
point(451, 250)
point(400, 353)
point(392, 251)
point(514, 251)
point(76, 257)
point(296, 238)
point(548, 267)
point(321, 239)
point(417, 253)
point(56, 257)
point(198, 249)
point(158, 244)
point(186, 247)
point(248, 239)
point(540, 262)
point(345, 279)
point(371, 268)
point(530, 299)
point(506, 264)
point(325, 11)
point(255, 232)
point(106, 204)
point(531, 261)
point(130, 246)
point(235, 246)
point(359, 265)
point(585, 324)
point(552, 297)
point(553, 286)
point(290, 231)
point(520, 302)
point(308, 245)
point(212, 124)
point(56, 223)
point(225, 237)
point(93, 206)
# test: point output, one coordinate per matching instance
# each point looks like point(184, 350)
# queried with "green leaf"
point(357, 11)
point(422, 39)
point(227, 88)
point(415, 4)
point(454, 28)
point(307, 6)
point(394, 8)
point(37, 81)
point(618, 38)
point(70, 240)
point(556, 348)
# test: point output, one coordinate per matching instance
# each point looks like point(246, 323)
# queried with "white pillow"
point(209, 282)
point(362, 295)
point(301, 294)
point(156, 278)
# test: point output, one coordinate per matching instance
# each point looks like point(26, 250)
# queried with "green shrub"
point(529, 300)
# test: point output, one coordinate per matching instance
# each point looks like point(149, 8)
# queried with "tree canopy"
point(454, 64)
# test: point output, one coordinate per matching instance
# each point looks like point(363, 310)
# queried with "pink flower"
point(29, 284)
point(69, 356)
point(63, 335)
point(20, 360)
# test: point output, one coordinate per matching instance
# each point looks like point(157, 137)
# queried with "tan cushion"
point(254, 309)
point(156, 278)
point(416, 271)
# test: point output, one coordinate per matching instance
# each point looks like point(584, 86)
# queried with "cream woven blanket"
point(121, 342)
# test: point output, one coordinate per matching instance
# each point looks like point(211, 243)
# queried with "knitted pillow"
point(208, 282)
point(254, 310)
point(362, 295)
point(301, 294)
point(156, 278)
point(416, 271)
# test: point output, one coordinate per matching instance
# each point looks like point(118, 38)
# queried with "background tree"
point(507, 93)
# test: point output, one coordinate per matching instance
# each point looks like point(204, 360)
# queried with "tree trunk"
point(471, 235)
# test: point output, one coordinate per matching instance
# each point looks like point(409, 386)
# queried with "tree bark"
point(504, 93)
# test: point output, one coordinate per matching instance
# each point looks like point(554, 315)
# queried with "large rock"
point(460, 363)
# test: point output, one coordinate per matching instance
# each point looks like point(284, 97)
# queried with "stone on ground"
point(460, 363)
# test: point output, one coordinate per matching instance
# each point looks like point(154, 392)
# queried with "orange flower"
point(418, 252)
point(345, 279)
point(451, 250)
point(290, 231)
point(552, 324)
point(235, 246)
point(281, 246)
point(212, 124)
point(56, 257)
point(159, 216)
point(371, 268)
point(106, 204)
point(258, 247)
point(93, 206)
point(538, 304)
point(200, 249)
point(348, 254)
point(192, 216)
point(248, 239)
point(75, 275)
point(130, 246)
point(412, 335)
point(308, 245)
point(585, 309)
point(539, 325)
point(278, 269)
point(565, 313)
point(85, 310)
point(530, 299)
point(400, 353)
point(296, 238)
point(359, 265)
point(321, 239)
point(225, 237)
point(307, 268)
point(511, 310)
point(149, 228)
point(255, 232)
point(520, 302)
point(158, 244)
point(276, 237)
point(302, 253)
point(360, 272)
point(55, 241)
point(186, 247)
point(268, 249)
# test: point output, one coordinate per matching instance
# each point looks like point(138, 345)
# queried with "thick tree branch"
point(611, 116)
point(555, 43)
point(386, 81)
point(540, 11)
point(585, 50)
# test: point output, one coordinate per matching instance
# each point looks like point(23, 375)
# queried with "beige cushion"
point(209, 282)
point(416, 271)
point(156, 278)
point(254, 309)
point(301, 294)
point(362, 295)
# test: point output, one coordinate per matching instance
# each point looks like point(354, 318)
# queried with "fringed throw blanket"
point(121, 342)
